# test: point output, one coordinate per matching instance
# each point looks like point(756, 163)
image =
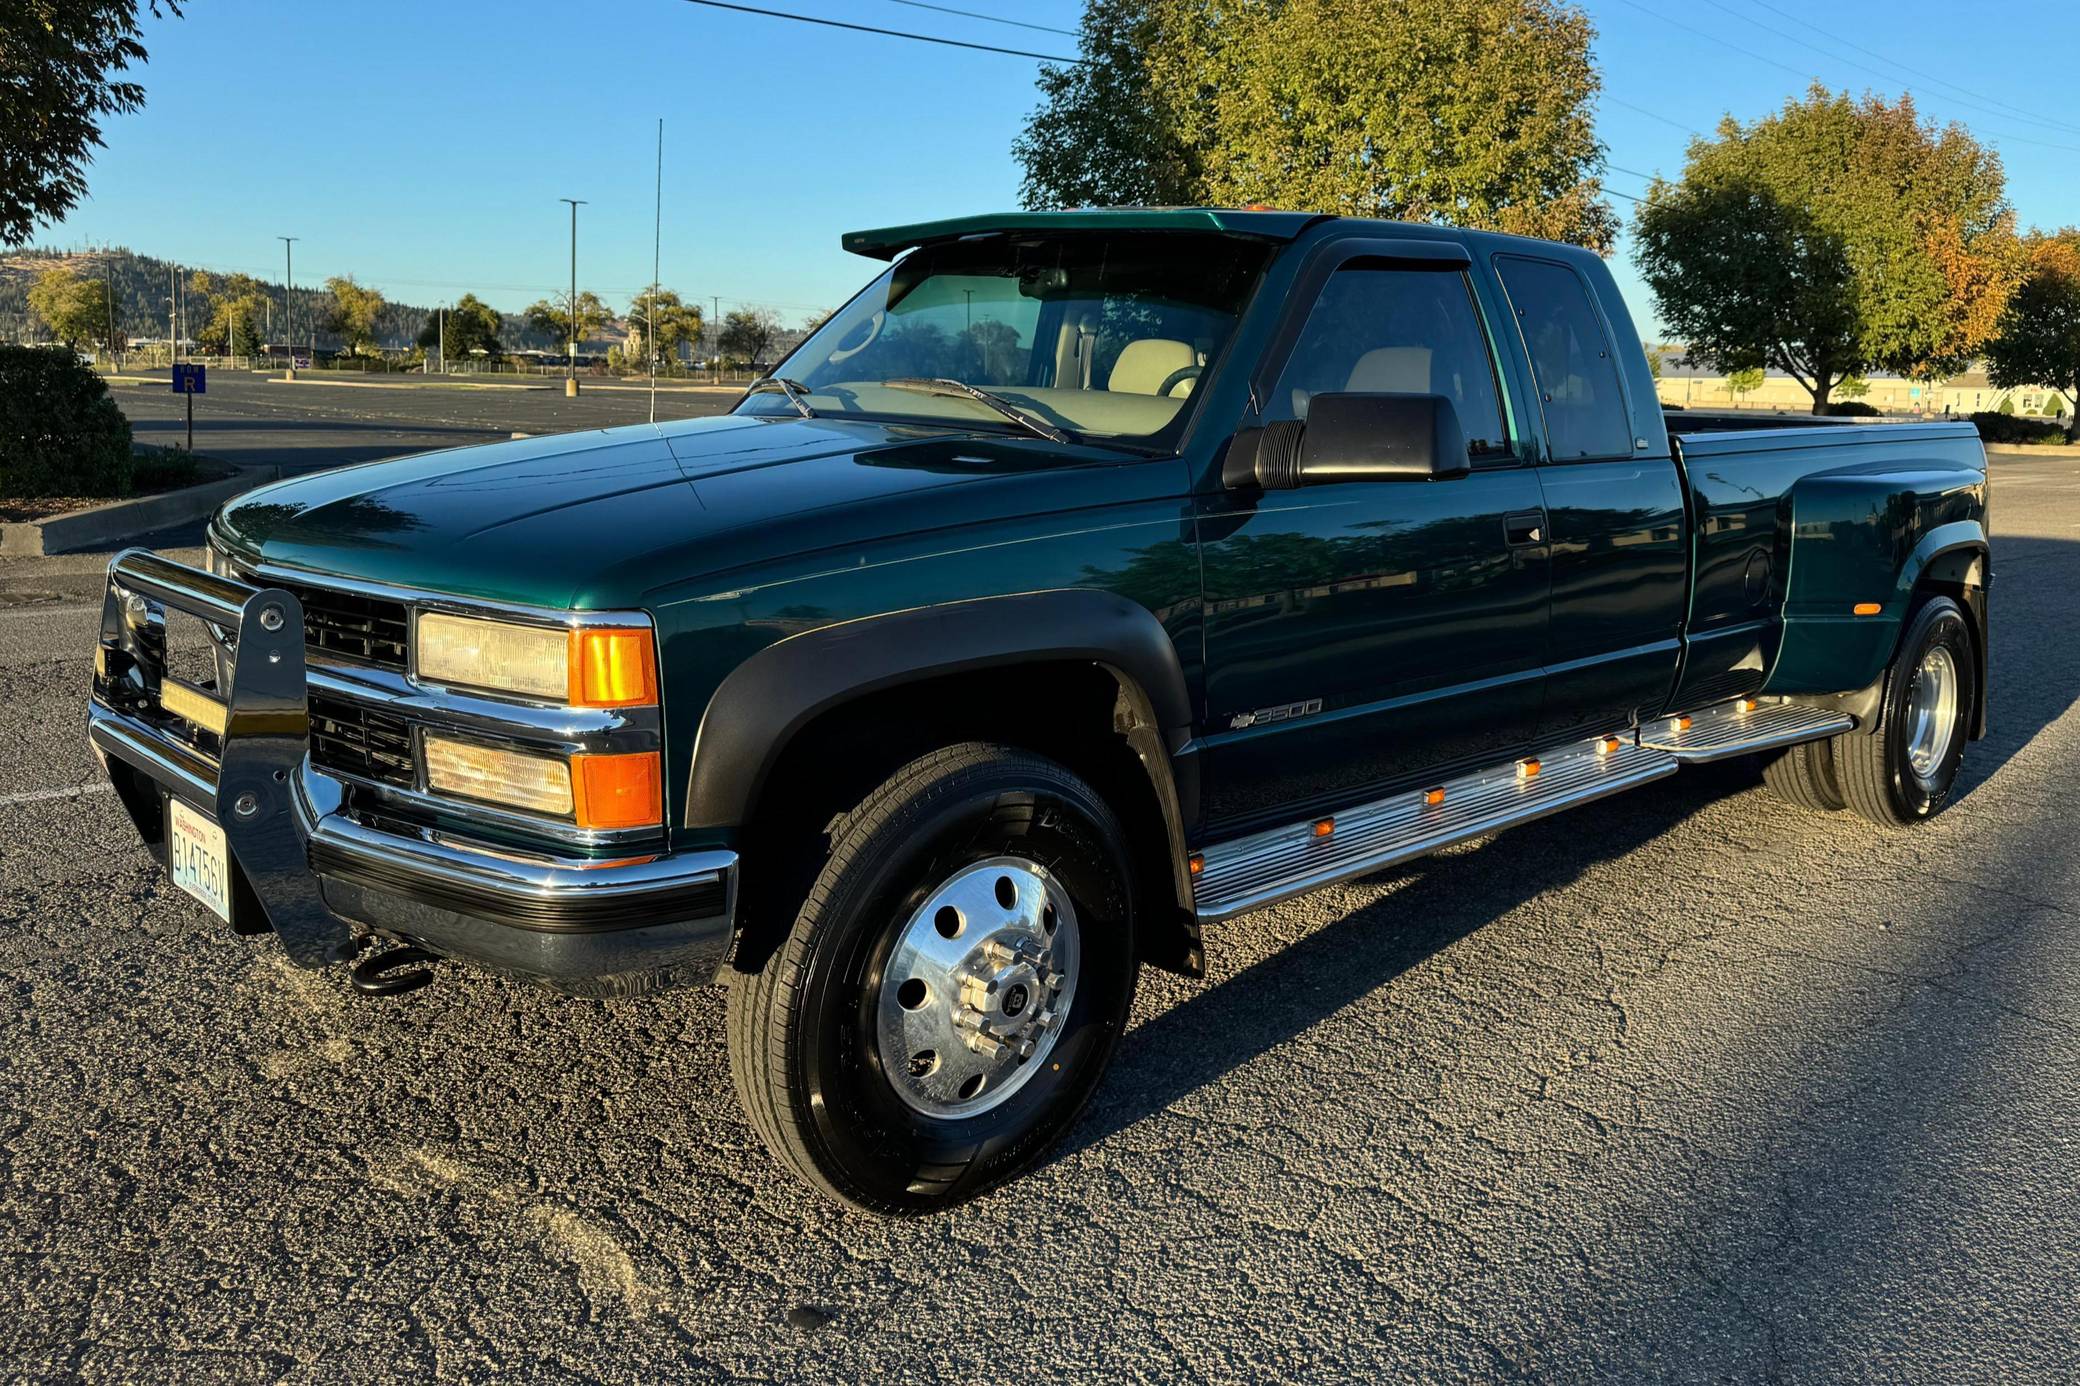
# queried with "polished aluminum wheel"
point(976, 989)
point(1931, 712)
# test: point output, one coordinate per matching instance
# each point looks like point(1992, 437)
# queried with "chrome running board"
point(1263, 868)
point(1739, 727)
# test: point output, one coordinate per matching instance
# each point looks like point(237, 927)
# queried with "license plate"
point(196, 852)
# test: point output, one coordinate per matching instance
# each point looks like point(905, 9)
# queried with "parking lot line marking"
point(73, 791)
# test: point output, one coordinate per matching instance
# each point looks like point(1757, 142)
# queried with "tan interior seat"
point(1144, 364)
point(1403, 370)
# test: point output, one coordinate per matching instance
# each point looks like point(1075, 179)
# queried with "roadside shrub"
point(2006, 405)
point(60, 432)
point(1852, 409)
point(2007, 428)
point(163, 469)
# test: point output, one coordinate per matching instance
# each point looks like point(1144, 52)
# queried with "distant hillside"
point(138, 286)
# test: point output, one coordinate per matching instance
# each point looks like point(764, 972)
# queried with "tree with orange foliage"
point(1834, 237)
point(2039, 338)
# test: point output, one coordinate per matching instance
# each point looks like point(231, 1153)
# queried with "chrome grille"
point(347, 625)
point(350, 738)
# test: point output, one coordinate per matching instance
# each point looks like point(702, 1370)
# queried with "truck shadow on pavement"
point(1440, 900)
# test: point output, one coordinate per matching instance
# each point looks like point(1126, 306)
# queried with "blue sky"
point(422, 147)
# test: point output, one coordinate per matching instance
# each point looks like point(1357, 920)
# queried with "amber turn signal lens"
point(1528, 768)
point(1196, 863)
point(1608, 746)
point(1434, 797)
point(612, 666)
point(625, 791)
point(1750, 704)
point(1682, 724)
point(1324, 826)
point(1868, 608)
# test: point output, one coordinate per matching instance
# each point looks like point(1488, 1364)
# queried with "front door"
point(1364, 637)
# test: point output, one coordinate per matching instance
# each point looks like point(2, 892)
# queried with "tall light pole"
point(288, 285)
point(570, 384)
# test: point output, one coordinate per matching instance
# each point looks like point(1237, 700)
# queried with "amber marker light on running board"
point(1324, 826)
point(1868, 608)
point(613, 666)
point(621, 791)
point(1434, 795)
point(1608, 746)
point(1528, 769)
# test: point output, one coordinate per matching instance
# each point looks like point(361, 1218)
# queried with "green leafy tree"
point(236, 306)
point(58, 63)
point(1744, 382)
point(747, 334)
point(351, 315)
point(1852, 387)
point(552, 317)
point(73, 307)
point(1831, 238)
point(472, 326)
point(677, 322)
point(1465, 112)
point(2038, 341)
point(1655, 355)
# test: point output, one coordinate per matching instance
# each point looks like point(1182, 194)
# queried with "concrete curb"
point(105, 526)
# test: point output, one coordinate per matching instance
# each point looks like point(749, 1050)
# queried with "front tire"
point(1903, 772)
point(952, 988)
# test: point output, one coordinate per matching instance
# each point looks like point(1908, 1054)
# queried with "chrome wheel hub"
point(1931, 712)
point(974, 993)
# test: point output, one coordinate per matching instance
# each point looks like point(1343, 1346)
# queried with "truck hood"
point(609, 517)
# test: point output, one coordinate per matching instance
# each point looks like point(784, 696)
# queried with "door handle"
point(1524, 527)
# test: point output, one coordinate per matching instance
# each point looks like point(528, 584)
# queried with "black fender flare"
point(769, 698)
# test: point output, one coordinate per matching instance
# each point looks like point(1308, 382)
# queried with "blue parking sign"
point(190, 380)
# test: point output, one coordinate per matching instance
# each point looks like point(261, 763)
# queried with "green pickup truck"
point(1089, 578)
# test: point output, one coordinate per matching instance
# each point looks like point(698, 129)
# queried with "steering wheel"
point(1177, 378)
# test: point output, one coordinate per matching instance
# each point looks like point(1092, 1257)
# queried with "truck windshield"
point(1095, 336)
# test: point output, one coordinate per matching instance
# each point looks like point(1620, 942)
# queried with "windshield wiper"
point(797, 394)
point(961, 389)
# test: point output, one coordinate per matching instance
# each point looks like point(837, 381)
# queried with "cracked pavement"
point(1688, 1085)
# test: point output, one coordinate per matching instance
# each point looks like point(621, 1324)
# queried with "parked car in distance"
point(1090, 578)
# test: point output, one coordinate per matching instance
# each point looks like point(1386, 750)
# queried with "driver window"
point(1397, 331)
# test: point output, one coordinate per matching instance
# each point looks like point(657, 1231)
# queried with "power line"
point(1649, 113)
point(886, 33)
point(1710, 37)
point(1917, 72)
point(1890, 77)
point(993, 19)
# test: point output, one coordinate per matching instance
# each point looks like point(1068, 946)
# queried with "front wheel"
point(1903, 772)
point(952, 988)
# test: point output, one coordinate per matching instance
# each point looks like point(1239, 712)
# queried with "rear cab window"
point(1571, 362)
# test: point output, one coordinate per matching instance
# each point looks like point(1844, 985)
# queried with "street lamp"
point(289, 313)
point(570, 384)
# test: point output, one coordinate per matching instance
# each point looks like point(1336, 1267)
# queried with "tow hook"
point(379, 974)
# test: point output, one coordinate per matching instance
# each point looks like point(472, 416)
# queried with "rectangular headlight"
point(586, 666)
point(538, 784)
point(534, 661)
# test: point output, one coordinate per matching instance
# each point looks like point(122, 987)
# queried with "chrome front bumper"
point(319, 875)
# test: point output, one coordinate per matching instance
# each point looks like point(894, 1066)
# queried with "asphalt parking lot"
point(1688, 1085)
